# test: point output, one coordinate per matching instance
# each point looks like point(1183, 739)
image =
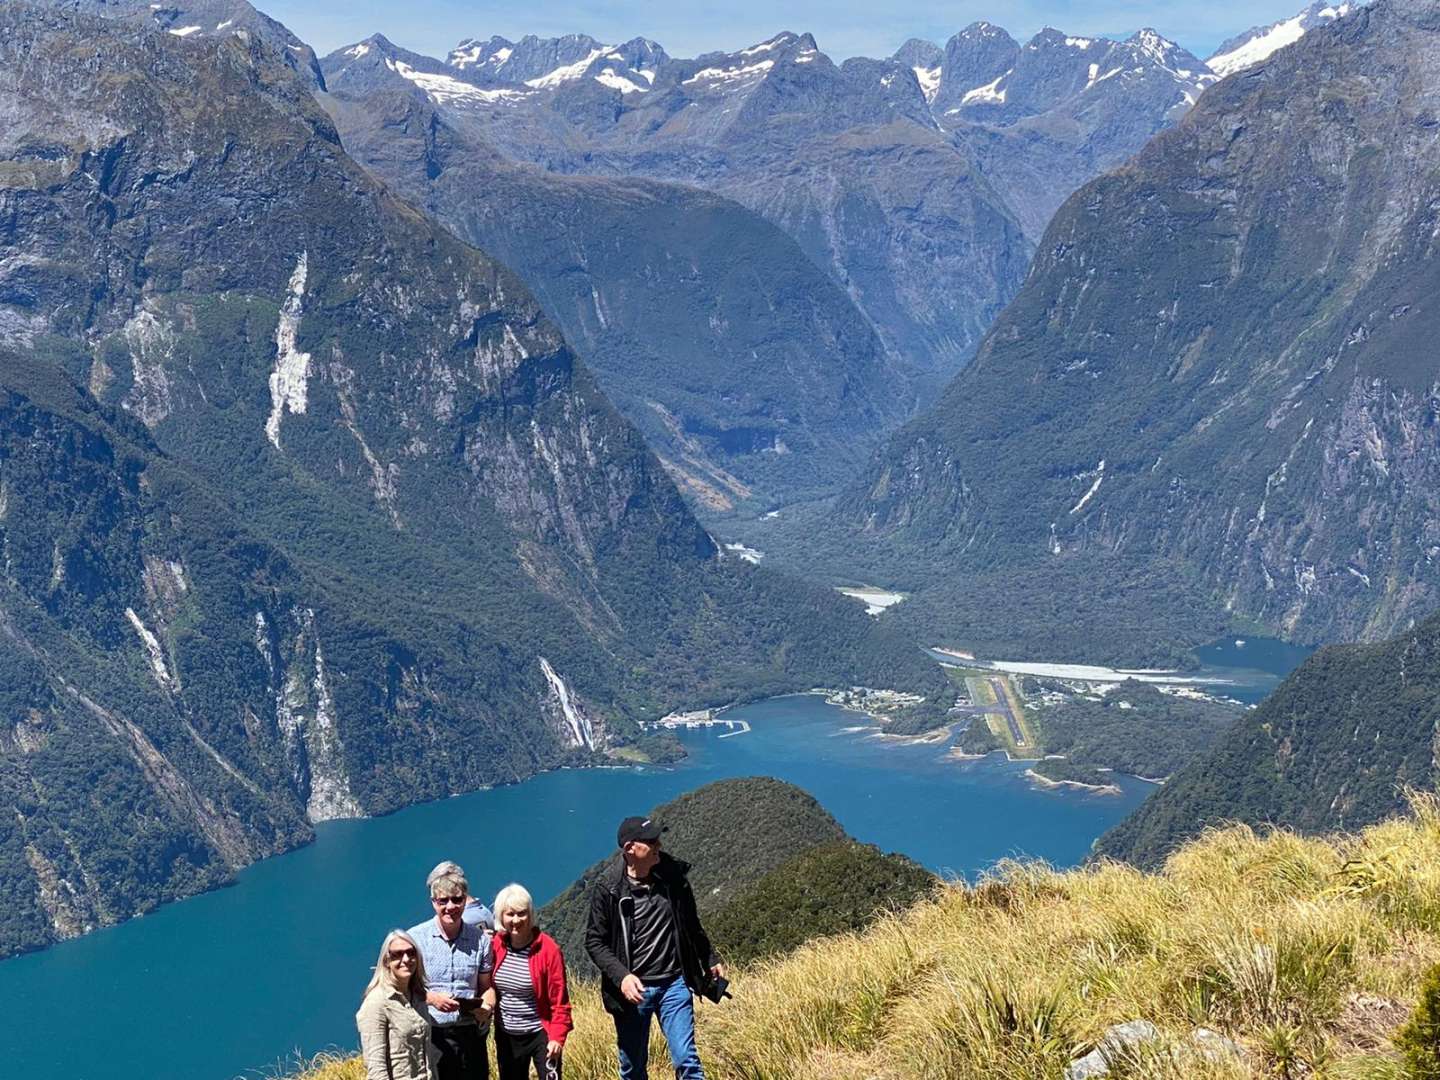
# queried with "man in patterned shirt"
point(458, 966)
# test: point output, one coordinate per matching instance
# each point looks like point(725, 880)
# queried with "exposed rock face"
point(296, 491)
point(917, 185)
point(751, 374)
point(1216, 374)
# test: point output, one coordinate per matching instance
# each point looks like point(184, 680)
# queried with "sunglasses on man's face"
point(448, 901)
point(396, 955)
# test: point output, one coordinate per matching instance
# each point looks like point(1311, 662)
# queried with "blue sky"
point(843, 28)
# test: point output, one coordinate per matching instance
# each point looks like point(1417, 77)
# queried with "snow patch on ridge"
point(1273, 38)
point(289, 382)
point(609, 78)
point(568, 72)
point(719, 75)
point(444, 90)
point(989, 94)
point(929, 80)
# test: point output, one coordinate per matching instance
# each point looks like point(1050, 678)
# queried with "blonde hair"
point(513, 897)
point(383, 975)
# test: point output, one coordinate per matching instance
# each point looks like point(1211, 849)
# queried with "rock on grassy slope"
point(1303, 952)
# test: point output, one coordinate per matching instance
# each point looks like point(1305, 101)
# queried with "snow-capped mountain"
point(1258, 43)
point(925, 59)
point(1039, 119)
point(547, 63)
point(987, 76)
point(917, 182)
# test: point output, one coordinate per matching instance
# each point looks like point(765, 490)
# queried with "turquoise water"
point(1255, 665)
point(236, 982)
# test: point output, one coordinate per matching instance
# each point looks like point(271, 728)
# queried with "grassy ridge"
point(1307, 952)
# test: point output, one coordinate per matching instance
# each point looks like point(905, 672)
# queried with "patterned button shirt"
point(453, 967)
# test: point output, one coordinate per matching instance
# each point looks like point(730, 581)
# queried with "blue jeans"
point(670, 1002)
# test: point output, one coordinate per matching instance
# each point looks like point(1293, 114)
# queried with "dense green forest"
point(756, 845)
point(1333, 747)
point(1132, 728)
point(829, 889)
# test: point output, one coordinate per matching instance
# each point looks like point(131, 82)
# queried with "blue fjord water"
point(238, 981)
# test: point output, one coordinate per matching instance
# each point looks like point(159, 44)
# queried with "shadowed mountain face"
point(306, 511)
point(1214, 389)
point(751, 373)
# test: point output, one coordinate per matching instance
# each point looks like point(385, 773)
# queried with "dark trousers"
point(462, 1052)
point(516, 1053)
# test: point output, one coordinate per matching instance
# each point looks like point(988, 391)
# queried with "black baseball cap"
point(638, 828)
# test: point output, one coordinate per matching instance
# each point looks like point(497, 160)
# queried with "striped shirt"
point(517, 993)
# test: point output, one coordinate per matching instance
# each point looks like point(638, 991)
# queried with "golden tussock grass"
point(1305, 952)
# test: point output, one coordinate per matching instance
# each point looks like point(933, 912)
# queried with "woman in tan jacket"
point(394, 1027)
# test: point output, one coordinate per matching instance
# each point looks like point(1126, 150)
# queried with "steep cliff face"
point(1216, 374)
point(750, 373)
point(306, 511)
point(844, 159)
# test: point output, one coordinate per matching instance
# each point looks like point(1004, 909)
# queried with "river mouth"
point(321, 911)
point(1245, 670)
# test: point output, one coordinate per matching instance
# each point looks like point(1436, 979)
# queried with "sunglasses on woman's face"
point(396, 955)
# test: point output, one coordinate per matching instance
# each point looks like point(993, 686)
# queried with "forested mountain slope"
point(302, 501)
point(770, 867)
point(1213, 400)
point(1334, 747)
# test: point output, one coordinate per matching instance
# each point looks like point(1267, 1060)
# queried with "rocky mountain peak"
point(917, 52)
point(975, 60)
point(548, 64)
point(1243, 415)
point(1254, 45)
point(207, 19)
point(924, 59)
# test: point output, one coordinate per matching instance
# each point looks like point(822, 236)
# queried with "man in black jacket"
point(645, 936)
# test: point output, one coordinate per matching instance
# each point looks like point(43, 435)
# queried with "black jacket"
point(608, 933)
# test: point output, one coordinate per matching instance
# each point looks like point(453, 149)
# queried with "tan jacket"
point(394, 1037)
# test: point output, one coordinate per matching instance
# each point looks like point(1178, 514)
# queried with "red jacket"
point(547, 976)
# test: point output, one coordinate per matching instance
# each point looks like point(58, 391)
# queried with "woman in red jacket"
point(533, 1014)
